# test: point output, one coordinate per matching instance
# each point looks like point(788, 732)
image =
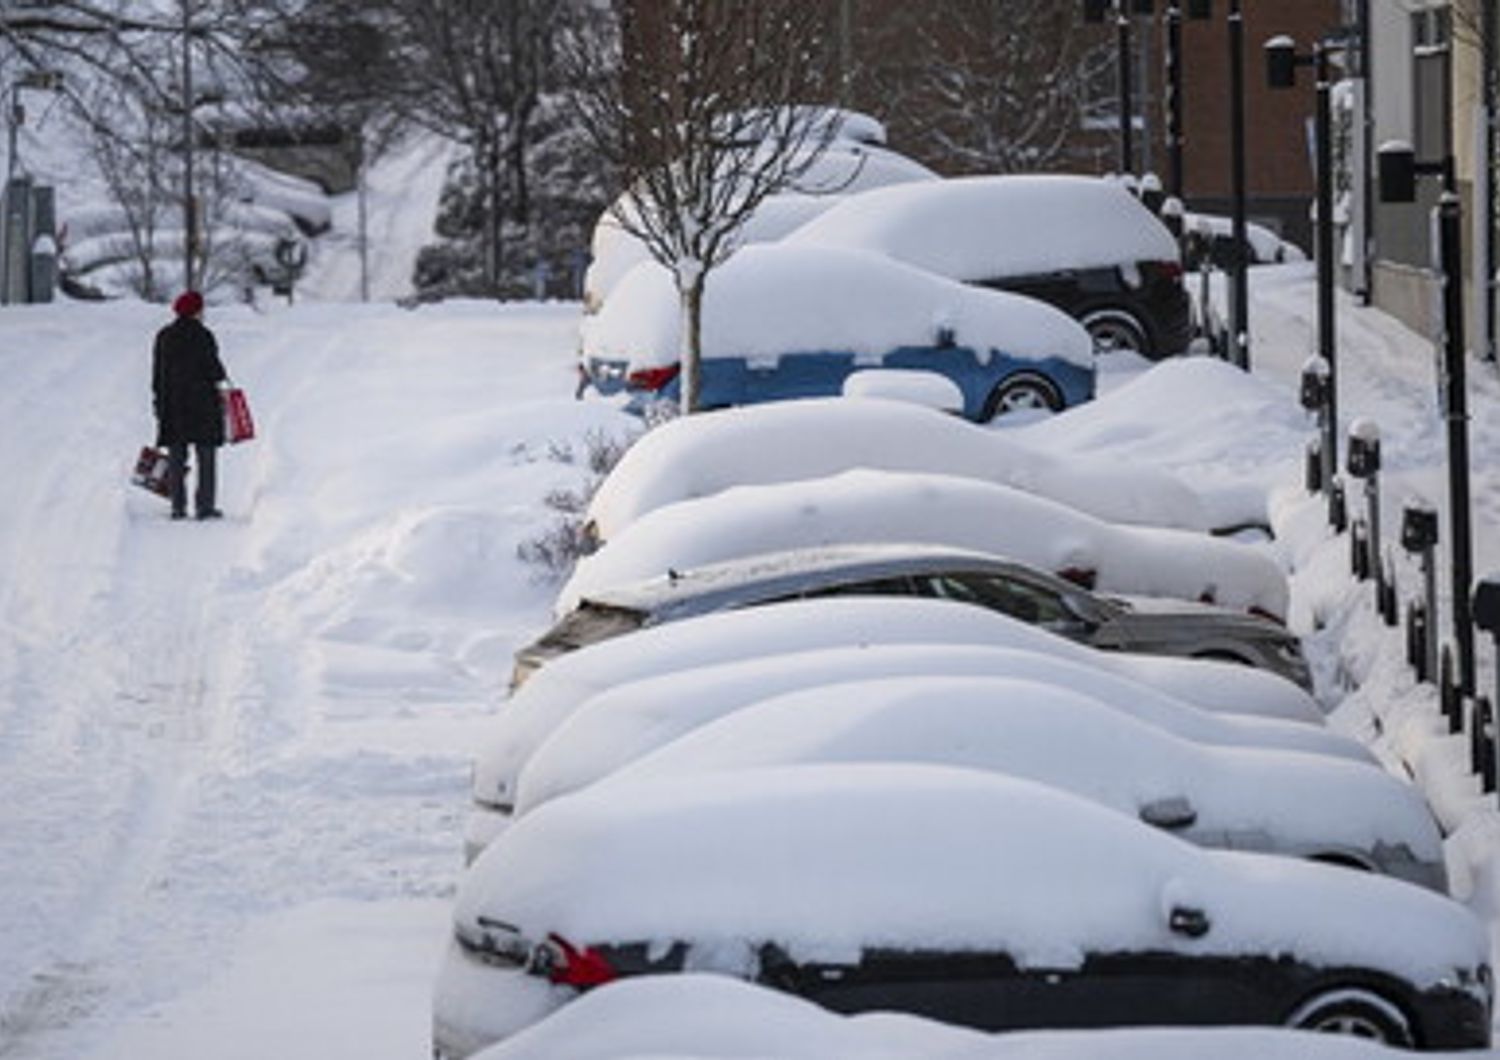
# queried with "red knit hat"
point(188, 304)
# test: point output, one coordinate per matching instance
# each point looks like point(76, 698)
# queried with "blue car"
point(783, 322)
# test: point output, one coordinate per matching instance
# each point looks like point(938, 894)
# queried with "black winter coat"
point(185, 377)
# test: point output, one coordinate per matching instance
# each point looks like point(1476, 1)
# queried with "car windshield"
point(1034, 604)
point(592, 622)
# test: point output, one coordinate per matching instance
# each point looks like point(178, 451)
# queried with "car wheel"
point(1114, 330)
point(1357, 1013)
point(1022, 392)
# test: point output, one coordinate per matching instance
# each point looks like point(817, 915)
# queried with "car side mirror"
point(1171, 813)
point(1186, 920)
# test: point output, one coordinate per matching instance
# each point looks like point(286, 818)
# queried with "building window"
point(1431, 31)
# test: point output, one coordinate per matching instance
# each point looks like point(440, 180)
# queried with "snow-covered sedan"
point(784, 322)
point(789, 441)
point(872, 507)
point(588, 739)
point(1147, 625)
point(1083, 244)
point(965, 896)
point(1272, 801)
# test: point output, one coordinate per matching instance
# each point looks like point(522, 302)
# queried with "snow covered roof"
point(865, 505)
point(771, 299)
point(786, 441)
point(1057, 735)
point(979, 228)
point(560, 687)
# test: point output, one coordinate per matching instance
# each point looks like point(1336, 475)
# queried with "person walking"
point(185, 377)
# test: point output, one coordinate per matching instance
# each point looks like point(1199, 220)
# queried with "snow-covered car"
point(1115, 623)
point(789, 441)
point(874, 507)
point(1210, 238)
point(782, 322)
point(948, 893)
point(588, 738)
point(1245, 696)
point(1083, 244)
point(855, 159)
point(714, 1017)
point(1273, 801)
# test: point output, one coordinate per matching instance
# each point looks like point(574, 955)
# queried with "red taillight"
point(1084, 577)
point(652, 379)
point(1167, 270)
point(1261, 612)
point(582, 968)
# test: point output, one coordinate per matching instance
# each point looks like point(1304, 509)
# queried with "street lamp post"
point(1196, 9)
point(41, 81)
point(1282, 61)
point(1239, 281)
point(1399, 169)
point(1094, 11)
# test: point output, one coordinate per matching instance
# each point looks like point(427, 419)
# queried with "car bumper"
point(475, 1005)
point(483, 826)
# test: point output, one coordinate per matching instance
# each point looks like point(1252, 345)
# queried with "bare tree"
point(700, 109)
point(1000, 86)
point(474, 71)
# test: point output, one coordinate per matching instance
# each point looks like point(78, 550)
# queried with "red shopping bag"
point(238, 424)
point(151, 471)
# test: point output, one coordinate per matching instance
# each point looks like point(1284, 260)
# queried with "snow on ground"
point(233, 757)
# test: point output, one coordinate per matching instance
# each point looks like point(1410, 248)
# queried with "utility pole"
point(189, 198)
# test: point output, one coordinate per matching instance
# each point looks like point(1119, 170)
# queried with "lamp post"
point(1282, 61)
point(1399, 170)
point(1199, 10)
point(1094, 11)
point(41, 81)
point(1239, 279)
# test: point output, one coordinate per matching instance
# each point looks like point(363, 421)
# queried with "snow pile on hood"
point(1233, 436)
point(773, 299)
point(899, 507)
point(979, 228)
point(787, 441)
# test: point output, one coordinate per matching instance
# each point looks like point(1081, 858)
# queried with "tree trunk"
point(690, 353)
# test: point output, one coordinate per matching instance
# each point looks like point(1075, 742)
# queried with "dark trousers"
point(203, 494)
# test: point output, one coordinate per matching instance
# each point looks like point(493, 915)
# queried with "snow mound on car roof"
point(772, 299)
point(786, 441)
point(869, 506)
point(978, 228)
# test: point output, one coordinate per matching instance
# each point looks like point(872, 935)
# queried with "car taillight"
point(567, 965)
point(1166, 270)
point(1261, 612)
point(652, 379)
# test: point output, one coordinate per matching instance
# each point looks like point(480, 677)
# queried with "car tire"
point(1357, 1013)
point(1114, 330)
point(1020, 392)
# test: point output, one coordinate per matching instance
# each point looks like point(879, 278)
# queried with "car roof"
point(767, 575)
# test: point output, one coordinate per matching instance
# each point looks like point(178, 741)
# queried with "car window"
point(1030, 603)
point(874, 587)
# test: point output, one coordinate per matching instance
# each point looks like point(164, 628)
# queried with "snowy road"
point(207, 730)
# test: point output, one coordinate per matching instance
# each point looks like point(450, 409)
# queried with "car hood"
point(1154, 611)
